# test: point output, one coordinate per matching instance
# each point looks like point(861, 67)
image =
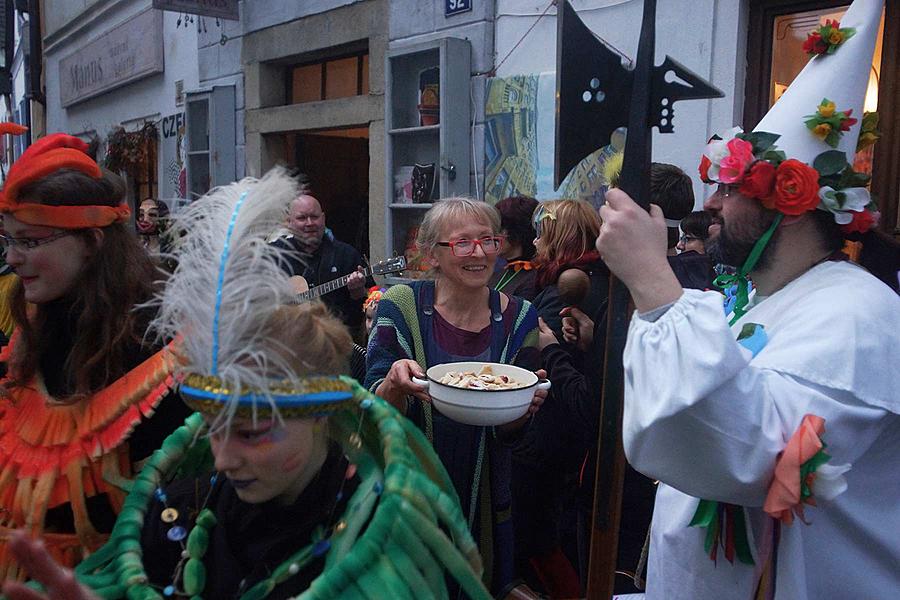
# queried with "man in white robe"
point(709, 419)
point(716, 407)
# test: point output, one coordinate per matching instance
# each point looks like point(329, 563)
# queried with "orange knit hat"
point(45, 156)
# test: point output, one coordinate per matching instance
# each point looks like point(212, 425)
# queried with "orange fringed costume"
point(53, 453)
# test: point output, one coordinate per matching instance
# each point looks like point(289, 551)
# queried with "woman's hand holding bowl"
point(398, 384)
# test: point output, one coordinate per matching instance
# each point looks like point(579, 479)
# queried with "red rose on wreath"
point(862, 222)
point(705, 164)
point(758, 181)
point(796, 188)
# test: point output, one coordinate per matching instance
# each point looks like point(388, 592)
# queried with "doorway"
point(336, 162)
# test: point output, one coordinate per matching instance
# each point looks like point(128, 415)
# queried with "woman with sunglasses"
point(457, 317)
point(81, 383)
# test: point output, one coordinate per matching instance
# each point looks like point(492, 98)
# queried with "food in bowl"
point(485, 379)
point(481, 406)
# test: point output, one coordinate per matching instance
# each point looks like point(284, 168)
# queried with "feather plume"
point(228, 282)
point(612, 168)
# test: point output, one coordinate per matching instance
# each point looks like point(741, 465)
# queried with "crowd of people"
point(175, 422)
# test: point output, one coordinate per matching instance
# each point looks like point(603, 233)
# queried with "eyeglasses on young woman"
point(25, 244)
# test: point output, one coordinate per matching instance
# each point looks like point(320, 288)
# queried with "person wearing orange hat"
point(773, 425)
point(81, 381)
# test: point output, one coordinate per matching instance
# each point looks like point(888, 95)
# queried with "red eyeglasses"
point(490, 244)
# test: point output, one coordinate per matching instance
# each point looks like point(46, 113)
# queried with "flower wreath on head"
point(752, 162)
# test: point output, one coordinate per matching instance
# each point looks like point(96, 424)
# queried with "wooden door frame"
point(886, 160)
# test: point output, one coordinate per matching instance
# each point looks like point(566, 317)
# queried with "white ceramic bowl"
point(482, 407)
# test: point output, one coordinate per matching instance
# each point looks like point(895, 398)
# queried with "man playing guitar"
point(318, 257)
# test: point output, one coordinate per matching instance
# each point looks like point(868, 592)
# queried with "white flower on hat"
point(843, 202)
point(717, 150)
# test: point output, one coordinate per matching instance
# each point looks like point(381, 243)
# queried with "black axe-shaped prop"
point(595, 95)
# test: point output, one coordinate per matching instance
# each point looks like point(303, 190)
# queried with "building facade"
point(20, 77)
point(116, 73)
point(374, 98)
point(314, 96)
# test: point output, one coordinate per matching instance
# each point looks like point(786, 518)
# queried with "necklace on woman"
point(193, 576)
point(191, 571)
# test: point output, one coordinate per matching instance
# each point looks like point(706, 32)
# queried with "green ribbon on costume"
point(810, 467)
point(707, 515)
point(740, 279)
point(717, 517)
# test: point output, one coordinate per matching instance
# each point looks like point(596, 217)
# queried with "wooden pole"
point(610, 468)
point(610, 474)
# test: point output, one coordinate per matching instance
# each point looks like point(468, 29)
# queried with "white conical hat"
point(842, 77)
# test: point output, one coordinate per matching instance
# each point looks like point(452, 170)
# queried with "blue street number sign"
point(454, 7)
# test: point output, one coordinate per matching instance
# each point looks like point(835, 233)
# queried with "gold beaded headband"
point(311, 396)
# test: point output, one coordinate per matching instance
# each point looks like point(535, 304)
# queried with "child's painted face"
point(270, 461)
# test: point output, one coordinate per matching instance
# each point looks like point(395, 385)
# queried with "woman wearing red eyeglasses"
point(457, 317)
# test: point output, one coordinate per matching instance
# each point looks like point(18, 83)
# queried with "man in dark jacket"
point(672, 191)
point(320, 258)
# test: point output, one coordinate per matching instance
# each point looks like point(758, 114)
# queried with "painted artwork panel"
point(519, 144)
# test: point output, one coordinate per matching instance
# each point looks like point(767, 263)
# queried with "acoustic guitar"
point(305, 293)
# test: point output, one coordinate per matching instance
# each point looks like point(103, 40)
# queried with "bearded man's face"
point(738, 222)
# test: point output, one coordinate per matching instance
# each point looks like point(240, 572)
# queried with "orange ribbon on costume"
point(45, 156)
point(784, 497)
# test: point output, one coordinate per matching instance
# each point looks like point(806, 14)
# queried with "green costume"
point(396, 543)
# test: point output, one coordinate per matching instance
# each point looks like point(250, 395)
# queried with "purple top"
point(464, 343)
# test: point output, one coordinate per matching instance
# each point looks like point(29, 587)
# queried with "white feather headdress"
point(228, 282)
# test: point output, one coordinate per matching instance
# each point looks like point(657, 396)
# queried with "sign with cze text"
point(129, 52)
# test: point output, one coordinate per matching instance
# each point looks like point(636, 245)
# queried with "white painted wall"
point(150, 98)
point(706, 36)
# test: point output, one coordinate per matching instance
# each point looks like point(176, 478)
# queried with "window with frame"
point(329, 79)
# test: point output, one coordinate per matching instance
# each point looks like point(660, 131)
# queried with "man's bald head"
point(306, 202)
point(306, 220)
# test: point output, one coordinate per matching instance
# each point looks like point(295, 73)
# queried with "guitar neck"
point(330, 286)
